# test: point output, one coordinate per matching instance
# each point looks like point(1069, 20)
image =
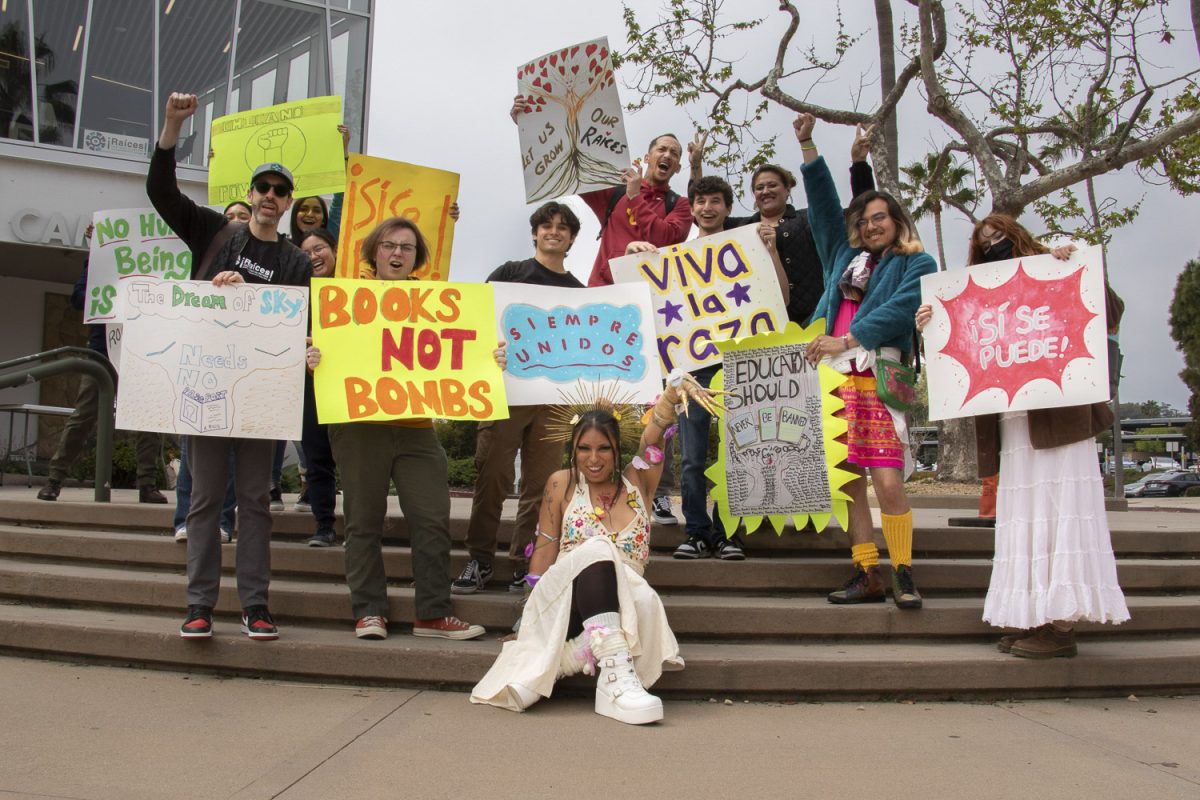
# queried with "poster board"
point(705, 291)
point(405, 349)
point(1016, 335)
point(559, 337)
point(302, 135)
point(206, 360)
point(129, 243)
point(778, 456)
point(572, 131)
point(378, 189)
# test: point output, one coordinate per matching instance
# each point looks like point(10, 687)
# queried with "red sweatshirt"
point(643, 219)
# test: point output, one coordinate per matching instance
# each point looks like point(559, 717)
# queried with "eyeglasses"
point(874, 219)
point(280, 189)
point(389, 247)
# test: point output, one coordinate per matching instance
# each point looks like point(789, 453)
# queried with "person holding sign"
point(772, 186)
point(590, 610)
point(83, 419)
point(873, 262)
point(228, 253)
point(644, 208)
point(1053, 562)
point(404, 452)
point(554, 227)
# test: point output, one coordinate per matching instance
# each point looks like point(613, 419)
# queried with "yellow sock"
point(865, 556)
point(897, 532)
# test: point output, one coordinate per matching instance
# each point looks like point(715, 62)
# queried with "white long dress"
point(1054, 558)
point(532, 659)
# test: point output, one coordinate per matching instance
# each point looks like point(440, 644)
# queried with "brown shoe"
point(50, 490)
point(865, 587)
point(1006, 642)
point(1046, 642)
point(148, 494)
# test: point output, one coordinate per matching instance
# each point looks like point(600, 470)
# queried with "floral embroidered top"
point(581, 522)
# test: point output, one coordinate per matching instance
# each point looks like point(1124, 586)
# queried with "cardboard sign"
point(302, 135)
point(573, 131)
point(779, 452)
point(378, 189)
point(560, 337)
point(1015, 335)
point(129, 243)
point(405, 349)
point(204, 360)
point(706, 291)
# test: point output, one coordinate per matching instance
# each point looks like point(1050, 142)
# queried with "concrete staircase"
point(106, 582)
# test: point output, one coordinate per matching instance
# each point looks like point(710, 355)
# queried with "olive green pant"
point(370, 457)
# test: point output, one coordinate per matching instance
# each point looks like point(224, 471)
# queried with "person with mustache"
point(228, 253)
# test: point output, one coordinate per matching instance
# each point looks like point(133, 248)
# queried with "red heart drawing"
point(591, 48)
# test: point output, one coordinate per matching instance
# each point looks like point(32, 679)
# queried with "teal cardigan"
point(885, 317)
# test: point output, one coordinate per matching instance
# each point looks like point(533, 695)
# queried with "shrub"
point(462, 472)
point(457, 438)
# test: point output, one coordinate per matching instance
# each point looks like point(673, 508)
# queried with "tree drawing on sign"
point(570, 78)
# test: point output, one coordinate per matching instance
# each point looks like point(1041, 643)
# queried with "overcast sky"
point(443, 80)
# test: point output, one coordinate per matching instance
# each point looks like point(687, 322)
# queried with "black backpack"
point(670, 198)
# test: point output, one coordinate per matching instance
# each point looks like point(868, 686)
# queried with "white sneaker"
point(620, 694)
point(181, 533)
point(226, 536)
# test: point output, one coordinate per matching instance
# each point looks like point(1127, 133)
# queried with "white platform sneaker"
point(620, 694)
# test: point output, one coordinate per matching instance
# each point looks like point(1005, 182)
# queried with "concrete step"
point(705, 615)
point(720, 670)
point(932, 538)
point(816, 572)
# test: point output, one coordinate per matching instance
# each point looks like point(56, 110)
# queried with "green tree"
point(931, 185)
point(1185, 330)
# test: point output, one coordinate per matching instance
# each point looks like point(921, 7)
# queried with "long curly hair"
point(1022, 240)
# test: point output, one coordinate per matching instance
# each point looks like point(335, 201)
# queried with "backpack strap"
point(670, 198)
point(200, 271)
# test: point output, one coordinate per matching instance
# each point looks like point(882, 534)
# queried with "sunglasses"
point(280, 189)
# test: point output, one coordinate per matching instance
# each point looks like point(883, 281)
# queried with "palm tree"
point(932, 185)
point(15, 100)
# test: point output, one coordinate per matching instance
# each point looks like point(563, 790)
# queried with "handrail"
point(91, 363)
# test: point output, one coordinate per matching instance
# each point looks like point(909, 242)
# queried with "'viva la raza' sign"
point(705, 291)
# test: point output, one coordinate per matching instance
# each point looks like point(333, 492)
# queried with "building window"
point(16, 76)
point(116, 117)
point(271, 38)
point(60, 27)
point(195, 40)
point(348, 43)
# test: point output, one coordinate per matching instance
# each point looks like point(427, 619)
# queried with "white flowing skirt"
point(1054, 558)
point(532, 658)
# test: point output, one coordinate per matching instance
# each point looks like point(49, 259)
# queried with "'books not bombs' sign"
point(1016, 335)
point(405, 349)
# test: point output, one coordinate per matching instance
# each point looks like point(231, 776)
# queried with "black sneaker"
point(257, 623)
point(904, 592)
point(518, 582)
point(473, 578)
point(693, 548)
point(865, 587)
point(728, 550)
point(302, 503)
point(198, 624)
point(323, 539)
point(660, 511)
point(276, 499)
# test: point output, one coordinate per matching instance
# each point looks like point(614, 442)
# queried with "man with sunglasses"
point(227, 253)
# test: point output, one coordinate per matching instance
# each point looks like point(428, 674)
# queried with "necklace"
point(606, 500)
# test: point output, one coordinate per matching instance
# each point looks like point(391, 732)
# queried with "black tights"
point(594, 592)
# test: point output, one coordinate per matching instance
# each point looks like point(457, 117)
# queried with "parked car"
point(1159, 462)
point(1136, 488)
point(1173, 486)
point(1129, 464)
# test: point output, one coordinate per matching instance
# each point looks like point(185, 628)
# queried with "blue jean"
point(183, 491)
point(277, 463)
point(693, 449)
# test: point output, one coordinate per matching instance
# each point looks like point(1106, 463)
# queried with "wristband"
point(845, 341)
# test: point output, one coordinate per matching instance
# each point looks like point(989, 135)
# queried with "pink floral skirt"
point(871, 435)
